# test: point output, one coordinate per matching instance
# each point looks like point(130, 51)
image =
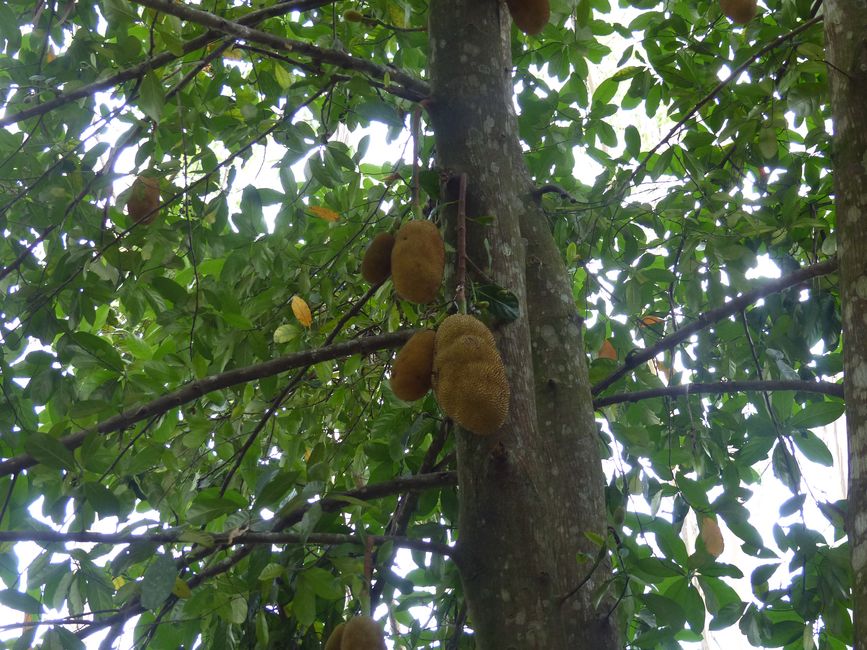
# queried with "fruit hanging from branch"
point(530, 16)
point(144, 199)
point(418, 261)
point(411, 373)
point(739, 11)
point(469, 377)
point(376, 263)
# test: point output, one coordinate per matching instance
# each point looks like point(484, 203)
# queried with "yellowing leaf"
point(607, 351)
point(397, 15)
point(712, 537)
point(118, 582)
point(283, 77)
point(181, 589)
point(301, 311)
point(324, 213)
point(651, 320)
point(285, 333)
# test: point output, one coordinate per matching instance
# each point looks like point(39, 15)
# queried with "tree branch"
point(736, 386)
point(196, 389)
point(719, 87)
point(328, 504)
point(223, 539)
point(415, 483)
point(158, 61)
point(125, 141)
point(278, 401)
point(715, 315)
point(416, 88)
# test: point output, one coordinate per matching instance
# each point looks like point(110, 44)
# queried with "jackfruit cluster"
point(530, 16)
point(418, 261)
point(469, 377)
point(376, 263)
point(739, 11)
point(144, 199)
point(412, 369)
point(358, 633)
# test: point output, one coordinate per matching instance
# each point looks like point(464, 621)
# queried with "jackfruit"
point(376, 264)
point(739, 11)
point(460, 324)
point(418, 261)
point(411, 373)
point(362, 633)
point(469, 377)
point(530, 16)
point(336, 639)
point(144, 199)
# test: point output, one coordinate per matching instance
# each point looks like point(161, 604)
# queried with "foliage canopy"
point(102, 315)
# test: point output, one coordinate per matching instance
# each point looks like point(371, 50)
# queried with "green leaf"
point(322, 583)
point(101, 499)
point(667, 611)
point(786, 467)
point(813, 448)
point(58, 638)
point(502, 304)
point(304, 604)
point(20, 601)
point(49, 451)
point(272, 571)
point(768, 142)
point(158, 581)
point(170, 290)
point(633, 141)
point(152, 98)
point(817, 414)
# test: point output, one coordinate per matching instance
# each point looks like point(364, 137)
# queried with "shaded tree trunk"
point(531, 492)
point(846, 38)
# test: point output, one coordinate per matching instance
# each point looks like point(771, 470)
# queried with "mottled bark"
point(531, 492)
point(846, 36)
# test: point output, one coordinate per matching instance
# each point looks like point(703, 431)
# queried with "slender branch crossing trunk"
point(846, 37)
point(531, 492)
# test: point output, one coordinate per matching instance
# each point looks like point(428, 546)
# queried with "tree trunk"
point(531, 492)
point(846, 37)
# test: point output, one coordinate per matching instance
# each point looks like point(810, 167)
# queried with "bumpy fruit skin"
point(530, 16)
point(144, 199)
point(460, 324)
point(739, 11)
point(411, 373)
point(376, 264)
point(468, 375)
point(362, 633)
point(418, 261)
point(336, 639)
point(353, 16)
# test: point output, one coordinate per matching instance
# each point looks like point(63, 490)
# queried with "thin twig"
point(821, 387)
point(196, 389)
point(158, 61)
point(461, 280)
point(332, 503)
point(409, 87)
